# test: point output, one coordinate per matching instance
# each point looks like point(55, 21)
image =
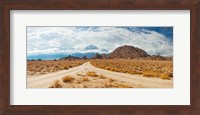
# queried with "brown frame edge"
point(7, 5)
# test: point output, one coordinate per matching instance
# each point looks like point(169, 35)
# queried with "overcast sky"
point(52, 40)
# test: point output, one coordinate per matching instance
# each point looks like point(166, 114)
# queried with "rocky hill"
point(128, 52)
point(100, 56)
point(69, 57)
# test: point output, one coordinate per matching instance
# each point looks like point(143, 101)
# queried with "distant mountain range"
point(122, 52)
point(46, 56)
point(88, 51)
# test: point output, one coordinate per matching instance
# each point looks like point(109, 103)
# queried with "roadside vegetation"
point(48, 66)
point(91, 79)
point(146, 68)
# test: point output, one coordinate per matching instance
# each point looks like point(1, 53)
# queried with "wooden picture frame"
point(192, 5)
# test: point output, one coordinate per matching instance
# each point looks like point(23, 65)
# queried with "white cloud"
point(43, 40)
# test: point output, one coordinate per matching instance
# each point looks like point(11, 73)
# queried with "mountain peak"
point(91, 47)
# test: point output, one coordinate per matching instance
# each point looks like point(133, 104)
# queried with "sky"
point(61, 40)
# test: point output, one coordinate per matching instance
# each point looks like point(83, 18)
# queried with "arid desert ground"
point(100, 73)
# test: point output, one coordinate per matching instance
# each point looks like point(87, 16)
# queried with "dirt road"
point(44, 81)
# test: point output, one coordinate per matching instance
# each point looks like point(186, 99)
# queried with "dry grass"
point(164, 76)
point(79, 74)
point(66, 67)
point(92, 74)
point(111, 80)
point(56, 84)
point(91, 82)
point(170, 74)
point(47, 66)
point(122, 85)
point(101, 76)
point(85, 79)
point(150, 74)
point(146, 68)
point(67, 79)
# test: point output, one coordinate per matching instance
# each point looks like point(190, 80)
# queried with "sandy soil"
point(45, 81)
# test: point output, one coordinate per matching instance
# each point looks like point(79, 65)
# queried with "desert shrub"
point(112, 69)
point(56, 84)
point(147, 74)
point(92, 74)
point(111, 80)
point(170, 74)
point(117, 70)
point(108, 68)
point(67, 79)
point(70, 66)
point(102, 76)
point(85, 79)
point(123, 85)
point(164, 76)
point(65, 67)
point(79, 74)
point(150, 74)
